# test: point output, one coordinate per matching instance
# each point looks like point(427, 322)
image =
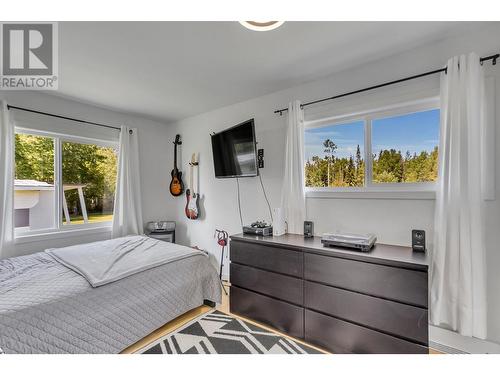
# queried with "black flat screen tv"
point(235, 151)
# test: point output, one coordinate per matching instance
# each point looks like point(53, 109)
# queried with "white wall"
point(155, 159)
point(391, 219)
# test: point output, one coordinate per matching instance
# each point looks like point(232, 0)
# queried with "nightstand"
point(167, 234)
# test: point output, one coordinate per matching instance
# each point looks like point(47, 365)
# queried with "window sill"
point(371, 194)
point(58, 234)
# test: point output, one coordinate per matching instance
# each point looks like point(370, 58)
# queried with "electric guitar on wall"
point(193, 198)
point(176, 185)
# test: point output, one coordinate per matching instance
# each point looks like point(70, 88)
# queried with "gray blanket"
point(106, 261)
point(46, 307)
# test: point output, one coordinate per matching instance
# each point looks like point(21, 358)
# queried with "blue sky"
point(414, 132)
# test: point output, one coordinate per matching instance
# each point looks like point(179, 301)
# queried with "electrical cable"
point(265, 196)
point(239, 202)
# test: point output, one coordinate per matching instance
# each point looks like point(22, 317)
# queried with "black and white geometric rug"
point(218, 333)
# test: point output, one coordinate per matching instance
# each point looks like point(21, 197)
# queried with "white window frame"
point(417, 190)
point(60, 230)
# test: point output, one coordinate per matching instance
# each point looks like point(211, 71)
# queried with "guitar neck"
point(175, 157)
point(195, 182)
point(191, 174)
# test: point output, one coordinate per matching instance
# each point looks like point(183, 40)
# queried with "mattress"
point(46, 307)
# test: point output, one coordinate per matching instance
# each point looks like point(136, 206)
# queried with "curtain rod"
point(63, 117)
point(481, 60)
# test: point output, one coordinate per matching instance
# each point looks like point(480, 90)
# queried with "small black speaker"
point(418, 240)
point(308, 229)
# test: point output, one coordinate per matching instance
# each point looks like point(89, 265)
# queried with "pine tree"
point(330, 148)
point(358, 157)
point(350, 174)
point(360, 168)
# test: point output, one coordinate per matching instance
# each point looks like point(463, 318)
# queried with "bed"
point(48, 305)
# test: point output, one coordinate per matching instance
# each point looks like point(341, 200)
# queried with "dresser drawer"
point(275, 285)
point(278, 314)
point(270, 258)
point(339, 336)
point(394, 283)
point(392, 317)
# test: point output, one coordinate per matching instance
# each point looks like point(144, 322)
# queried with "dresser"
point(340, 300)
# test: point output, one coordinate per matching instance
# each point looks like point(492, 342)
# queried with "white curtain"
point(127, 215)
point(292, 195)
point(458, 272)
point(6, 179)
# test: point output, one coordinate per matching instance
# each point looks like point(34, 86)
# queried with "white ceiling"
point(173, 70)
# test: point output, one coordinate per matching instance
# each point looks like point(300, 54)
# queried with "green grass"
point(93, 218)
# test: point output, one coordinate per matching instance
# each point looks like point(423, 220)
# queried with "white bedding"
point(104, 262)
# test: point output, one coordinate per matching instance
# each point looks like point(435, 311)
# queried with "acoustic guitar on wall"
point(192, 209)
point(176, 185)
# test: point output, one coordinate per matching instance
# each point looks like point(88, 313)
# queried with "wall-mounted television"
point(235, 151)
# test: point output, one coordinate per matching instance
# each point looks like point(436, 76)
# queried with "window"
point(62, 182)
point(335, 155)
point(405, 147)
point(34, 185)
point(88, 177)
point(390, 149)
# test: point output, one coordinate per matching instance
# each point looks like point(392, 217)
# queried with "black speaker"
point(418, 240)
point(308, 229)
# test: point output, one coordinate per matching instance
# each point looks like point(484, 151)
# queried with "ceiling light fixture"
point(262, 25)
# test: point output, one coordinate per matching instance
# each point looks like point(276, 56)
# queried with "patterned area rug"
point(218, 333)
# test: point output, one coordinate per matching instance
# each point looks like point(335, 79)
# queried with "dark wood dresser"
point(344, 301)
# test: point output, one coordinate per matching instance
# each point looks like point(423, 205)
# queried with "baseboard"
point(450, 342)
point(445, 348)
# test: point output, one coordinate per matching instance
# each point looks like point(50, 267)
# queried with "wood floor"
point(190, 315)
